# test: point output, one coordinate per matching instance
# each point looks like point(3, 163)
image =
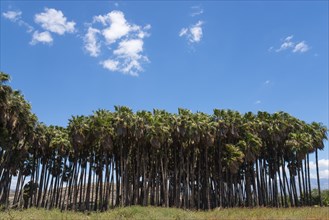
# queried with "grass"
point(138, 212)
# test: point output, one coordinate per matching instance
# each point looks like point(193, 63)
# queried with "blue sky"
point(71, 57)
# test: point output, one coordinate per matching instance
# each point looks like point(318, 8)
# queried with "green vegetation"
point(324, 197)
point(185, 160)
point(138, 212)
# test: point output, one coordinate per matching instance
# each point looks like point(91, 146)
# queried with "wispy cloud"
point(258, 102)
point(183, 32)
point(301, 47)
point(267, 82)
point(54, 21)
point(193, 33)
point(196, 10)
point(12, 15)
point(124, 40)
point(289, 44)
point(16, 17)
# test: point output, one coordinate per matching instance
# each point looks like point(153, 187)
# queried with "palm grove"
point(188, 160)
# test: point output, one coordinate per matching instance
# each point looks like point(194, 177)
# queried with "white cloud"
point(323, 168)
point(91, 43)
point(54, 21)
point(147, 27)
point(43, 37)
point(139, 32)
point(194, 33)
point(51, 20)
point(16, 17)
point(287, 43)
point(28, 27)
point(301, 47)
point(324, 174)
point(100, 18)
point(128, 56)
point(267, 82)
point(110, 64)
point(196, 10)
point(183, 31)
point(258, 102)
point(323, 163)
point(12, 15)
point(130, 48)
point(132, 67)
point(289, 38)
point(118, 25)
point(124, 40)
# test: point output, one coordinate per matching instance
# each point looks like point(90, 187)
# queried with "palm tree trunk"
point(308, 174)
point(317, 175)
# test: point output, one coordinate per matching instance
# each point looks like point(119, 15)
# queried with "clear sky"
point(74, 57)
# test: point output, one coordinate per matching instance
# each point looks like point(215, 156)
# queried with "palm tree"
point(16, 131)
point(78, 131)
point(188, 160)
point(319, 134)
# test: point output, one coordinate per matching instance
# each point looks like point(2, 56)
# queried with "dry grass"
point(137, 212)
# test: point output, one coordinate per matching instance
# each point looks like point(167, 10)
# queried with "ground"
point(137, 212)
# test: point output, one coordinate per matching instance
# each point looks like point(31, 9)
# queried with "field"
point(137, 212)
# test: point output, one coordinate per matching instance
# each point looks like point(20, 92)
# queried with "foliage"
point(185, 160)
point(324, 197)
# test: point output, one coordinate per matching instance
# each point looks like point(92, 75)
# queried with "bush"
point(324, 197)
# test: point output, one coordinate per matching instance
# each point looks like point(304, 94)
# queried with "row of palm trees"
point(187, 160)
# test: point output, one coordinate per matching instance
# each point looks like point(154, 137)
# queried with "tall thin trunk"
point(317, 175)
